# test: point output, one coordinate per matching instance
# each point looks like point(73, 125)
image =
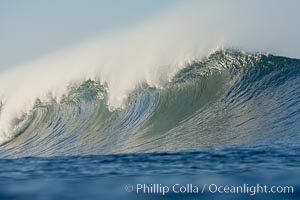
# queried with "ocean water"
point(231, 119)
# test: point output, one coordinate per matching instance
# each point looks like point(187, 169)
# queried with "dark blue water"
point(106, 176)
point(228, 121)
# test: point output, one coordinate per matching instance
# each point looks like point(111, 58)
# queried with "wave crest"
point(229, 97)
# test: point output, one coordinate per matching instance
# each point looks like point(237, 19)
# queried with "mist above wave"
point(151, 52)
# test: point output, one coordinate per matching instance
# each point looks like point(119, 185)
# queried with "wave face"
point(228, 98)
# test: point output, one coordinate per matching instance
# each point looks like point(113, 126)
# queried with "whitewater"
point(203, 93)
point(151, 52)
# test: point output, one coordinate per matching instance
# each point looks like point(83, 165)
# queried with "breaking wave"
point(228, 98)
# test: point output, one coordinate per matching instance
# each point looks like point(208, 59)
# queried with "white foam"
point(150, 52)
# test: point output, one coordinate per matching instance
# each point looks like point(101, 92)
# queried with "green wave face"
point(228, 98)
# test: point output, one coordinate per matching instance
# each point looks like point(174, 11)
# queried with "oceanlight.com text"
point(156, 188)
